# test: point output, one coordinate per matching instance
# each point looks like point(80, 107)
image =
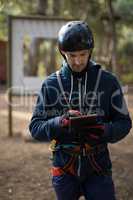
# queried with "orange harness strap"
point(57, 171)
point(68, 168)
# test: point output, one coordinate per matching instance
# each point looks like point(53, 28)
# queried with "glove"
point(94, 132)
point(66, 119)
point(89, 125)
point(65, 124)
point(78, 122)
point(84, 124)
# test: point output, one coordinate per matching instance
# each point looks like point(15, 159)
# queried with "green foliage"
point(127, 78)
point(125, 9)
point(80, 9)
point(128, 49)
point(125, 55)
point(17, 7)
point(13, 7)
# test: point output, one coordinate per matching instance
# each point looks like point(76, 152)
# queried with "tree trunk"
point(32, 68)
point(56, 12)
point(34, 49)
point(52, 67)
point(113, 43)
point(56, 7)
point(42, 7)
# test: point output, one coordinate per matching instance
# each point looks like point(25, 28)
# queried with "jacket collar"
point(67, 71)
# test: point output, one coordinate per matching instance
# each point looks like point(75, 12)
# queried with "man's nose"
point(77, 61)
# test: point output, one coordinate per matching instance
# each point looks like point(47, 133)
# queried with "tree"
point(34, 49)
point(56, 12)
point(113, 42)
point(42, 6)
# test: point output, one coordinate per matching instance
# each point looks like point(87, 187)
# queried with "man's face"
point(77, 60)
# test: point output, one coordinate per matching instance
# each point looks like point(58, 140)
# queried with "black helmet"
point(74, 36)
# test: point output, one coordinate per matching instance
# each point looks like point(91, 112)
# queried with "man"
point(80, 109)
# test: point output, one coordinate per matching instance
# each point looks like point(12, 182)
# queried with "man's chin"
point(78, 69)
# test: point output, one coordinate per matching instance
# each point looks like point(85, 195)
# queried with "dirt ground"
point(24, 164)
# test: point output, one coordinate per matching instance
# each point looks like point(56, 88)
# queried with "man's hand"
point(66, 123)
point(85, 125)
point(66, 119)
point(94, 132)
point(88, 126)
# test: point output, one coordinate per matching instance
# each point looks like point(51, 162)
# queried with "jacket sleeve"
point(120, 122)
point(44, 124)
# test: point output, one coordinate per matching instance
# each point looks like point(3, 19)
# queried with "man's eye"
point(82, 54)
point(72, 56)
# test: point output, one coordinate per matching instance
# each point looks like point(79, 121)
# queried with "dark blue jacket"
point(79, 90)
point(108, 101)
